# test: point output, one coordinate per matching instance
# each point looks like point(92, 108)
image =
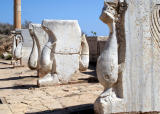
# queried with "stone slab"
point(27, 38)
point(68, 34)
point(66, 65)
point(61, 54)
point(141, 77)
point(27, 45)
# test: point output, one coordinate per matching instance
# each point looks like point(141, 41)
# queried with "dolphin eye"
point(46, 28)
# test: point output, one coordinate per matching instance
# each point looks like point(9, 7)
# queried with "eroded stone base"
point(64, 67)
point(48, 80)
point(109, 105)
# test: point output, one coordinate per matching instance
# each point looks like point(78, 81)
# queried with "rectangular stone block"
point(67, 33)
point(60, 57)
point(27, 45)
point(66, 65)
point(26, 38)
point(141, 77)
point(96, 45)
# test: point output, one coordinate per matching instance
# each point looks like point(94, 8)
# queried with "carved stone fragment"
point(27, 46)
point(33, 58)
point(107, 63)
point(135, 88)
point(60, 56)
point(22, 46)
point(84, 54)
point(17, 48)
point(40, 38)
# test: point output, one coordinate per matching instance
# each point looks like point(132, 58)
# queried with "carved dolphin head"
point(109, 11)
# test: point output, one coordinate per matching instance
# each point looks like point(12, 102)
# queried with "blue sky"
point(87, 12)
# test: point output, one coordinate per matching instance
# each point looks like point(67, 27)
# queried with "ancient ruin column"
point(17, 14)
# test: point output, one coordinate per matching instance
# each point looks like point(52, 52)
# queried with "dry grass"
point(5, 43)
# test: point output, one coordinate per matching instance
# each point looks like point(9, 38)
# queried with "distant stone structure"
point(129, 66)
point(96, 45)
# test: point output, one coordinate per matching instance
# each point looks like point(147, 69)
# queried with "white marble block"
point(137, 87)
point(60, 56)
point(67, 33)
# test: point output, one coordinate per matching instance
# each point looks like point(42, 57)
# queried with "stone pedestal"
point(60, 56)
point(140, 90)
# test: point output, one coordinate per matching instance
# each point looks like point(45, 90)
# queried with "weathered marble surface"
point(84, 54)
point(17, 48)
point(33, 58)
point(60, 56)
point(64, 35)
point(141, 77)
point(40, 38)
point(140, 86)
point(107, 64)
point(27, 46)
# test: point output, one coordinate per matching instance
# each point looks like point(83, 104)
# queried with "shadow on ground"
point(4, 63)
point(93, 73)
point(7, 68)
point(90, 79)
point(18, 78)
point(79, 109)
point(20, 87)
point(92, 66)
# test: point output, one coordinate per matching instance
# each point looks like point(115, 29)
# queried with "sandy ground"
point(19, 93)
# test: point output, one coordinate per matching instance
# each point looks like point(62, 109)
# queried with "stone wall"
point(141, 77)
point(96, 44)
